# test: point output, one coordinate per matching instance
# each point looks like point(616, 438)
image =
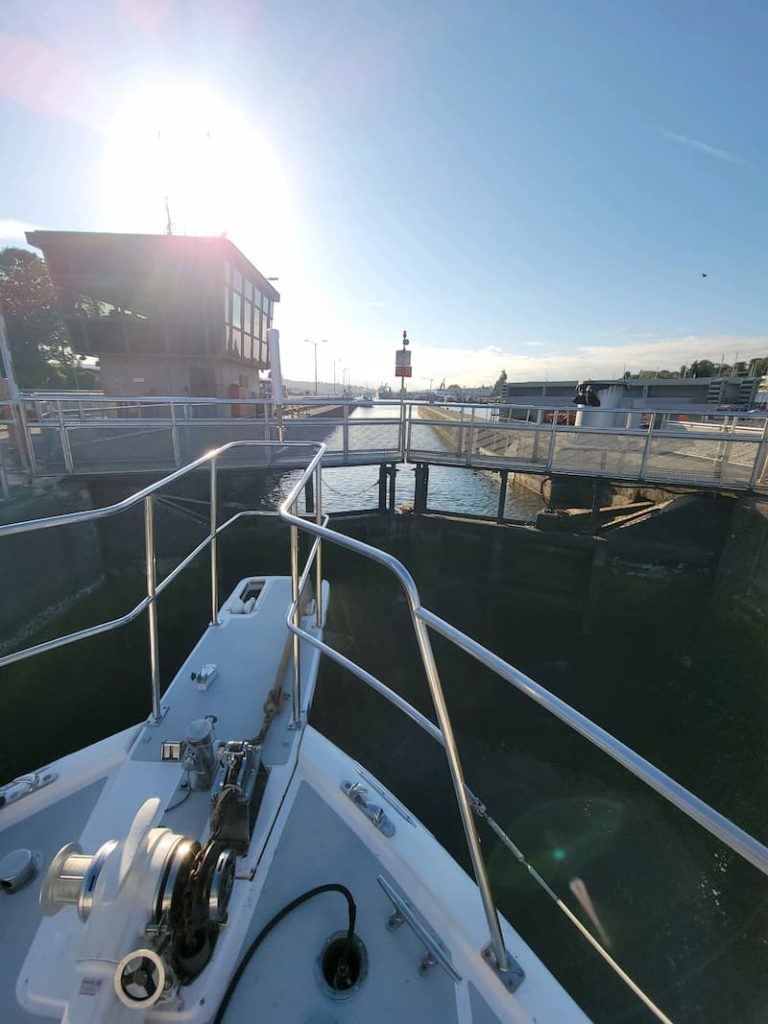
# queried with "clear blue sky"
point(534, 185)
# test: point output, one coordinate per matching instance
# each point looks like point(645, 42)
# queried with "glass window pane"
point(227, 306)
point(237, 316)
point(247, 314)
point(237, 280)
point(248, 289)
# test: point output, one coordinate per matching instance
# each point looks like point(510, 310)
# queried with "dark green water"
point(670, 658)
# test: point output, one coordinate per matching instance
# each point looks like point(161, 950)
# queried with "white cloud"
point(703, 147)
point(535, 344)
point(13, 230)
point(372, 360)
point(596, 360)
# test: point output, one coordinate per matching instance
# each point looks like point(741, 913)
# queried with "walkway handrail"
point(697, 445)
point(544, 403)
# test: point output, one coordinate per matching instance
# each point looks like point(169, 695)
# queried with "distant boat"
point(366, 398)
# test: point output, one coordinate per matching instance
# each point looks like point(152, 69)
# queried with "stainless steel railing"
point(737, 839)
point(146, 497)
point(423, 621)
point(288, 511)
point(694, 446)
point(734, 837)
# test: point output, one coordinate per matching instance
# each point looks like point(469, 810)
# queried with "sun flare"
point(180, 152)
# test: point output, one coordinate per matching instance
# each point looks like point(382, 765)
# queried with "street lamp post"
point(315, 343)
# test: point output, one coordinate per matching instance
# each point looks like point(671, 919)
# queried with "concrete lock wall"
point(48, 571)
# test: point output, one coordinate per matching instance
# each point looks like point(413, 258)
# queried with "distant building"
point(165, 314)
point(700, 394)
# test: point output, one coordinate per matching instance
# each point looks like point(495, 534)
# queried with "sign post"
point(403, 370)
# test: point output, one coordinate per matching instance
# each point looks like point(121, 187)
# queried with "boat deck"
point(322, 837)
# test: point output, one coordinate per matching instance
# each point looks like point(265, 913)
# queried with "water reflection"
point(475, 492)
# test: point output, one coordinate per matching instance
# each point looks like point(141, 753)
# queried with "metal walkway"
point(91, 435)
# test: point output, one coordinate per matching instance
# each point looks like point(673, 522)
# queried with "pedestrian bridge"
point(86, 435)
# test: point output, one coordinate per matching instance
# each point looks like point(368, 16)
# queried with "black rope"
point(329, 887)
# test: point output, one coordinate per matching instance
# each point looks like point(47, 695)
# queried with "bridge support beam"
point(382, 488)
point(309, 496)
point(503, 476)
point(422, 487)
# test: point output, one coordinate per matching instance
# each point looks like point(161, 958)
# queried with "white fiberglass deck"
point(308, 832)
point(321, 836)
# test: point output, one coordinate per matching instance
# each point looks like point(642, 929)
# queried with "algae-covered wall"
point(45, 572)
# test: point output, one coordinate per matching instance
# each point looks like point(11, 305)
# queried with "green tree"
point(498, 387)
point(702, 368)
point(40, 348)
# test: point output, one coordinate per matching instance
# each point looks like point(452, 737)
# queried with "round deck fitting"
point(339, 984)
point(17, 868)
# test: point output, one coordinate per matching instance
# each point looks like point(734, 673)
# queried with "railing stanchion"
point(65, 447)
point(267, 432)
point(471, 437)
point(296, 707)
point(319, 555)
point(149, 557)
point(761, 453)
point(503, 478)
point(646, 449)
point(552, 438)
point(214, 547)
point(345, 433)
point(5, 490)
point(457, 778)
point(535, 451)
point(175, 436)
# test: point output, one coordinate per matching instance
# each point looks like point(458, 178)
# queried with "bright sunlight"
point(184, 146)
